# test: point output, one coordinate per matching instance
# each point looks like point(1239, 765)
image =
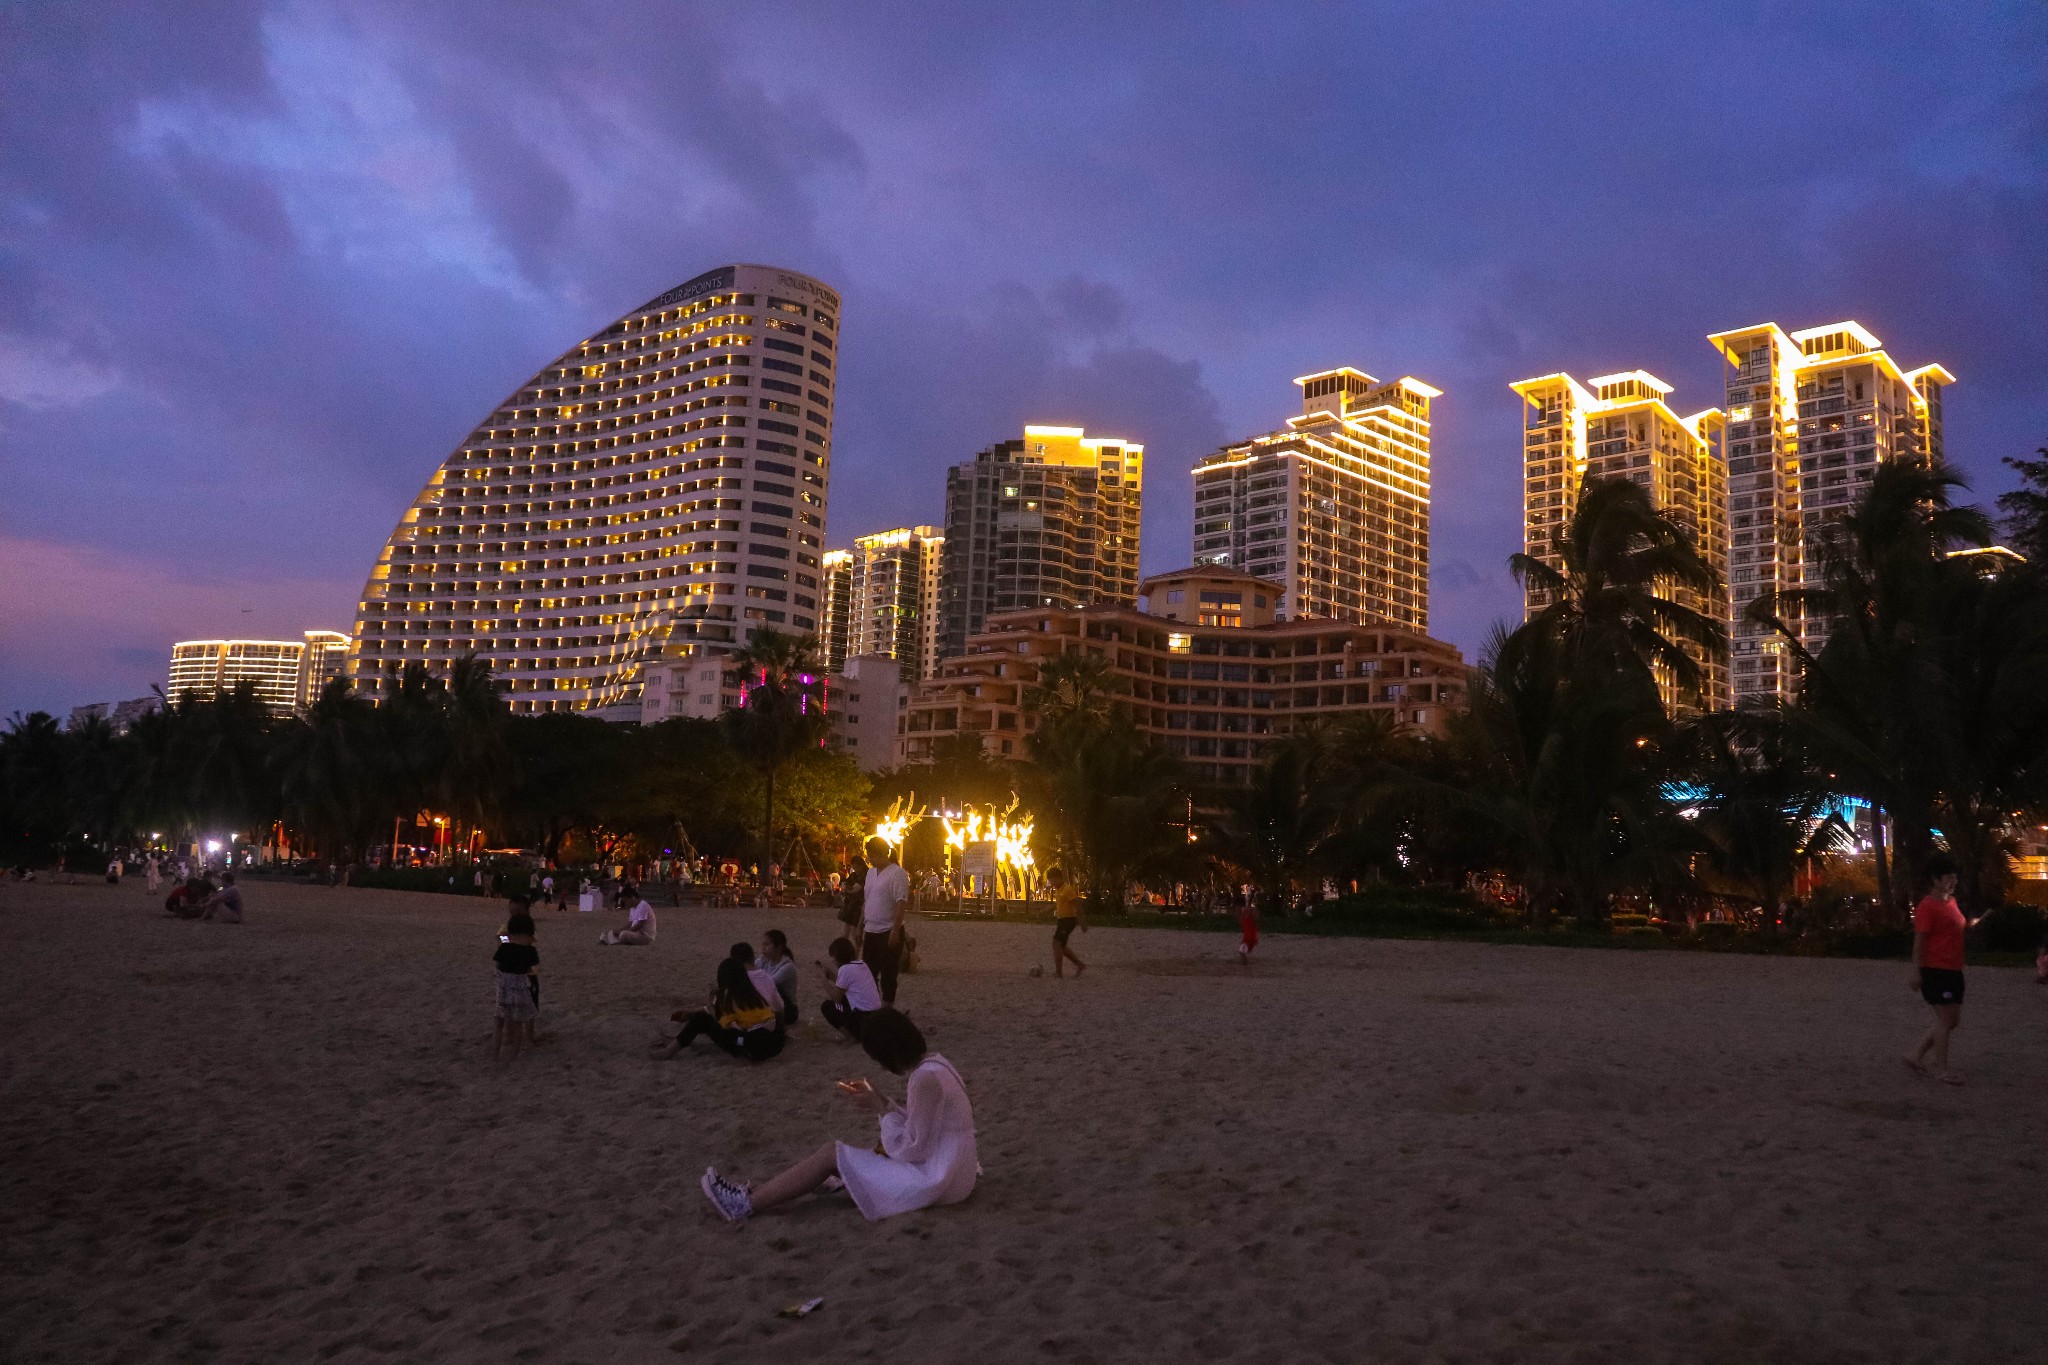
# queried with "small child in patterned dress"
point(518, 963)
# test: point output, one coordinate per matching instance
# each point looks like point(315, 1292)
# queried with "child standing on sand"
point(1248, 927)
point(518, 963)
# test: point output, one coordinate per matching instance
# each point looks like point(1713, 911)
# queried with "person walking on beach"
point(927, 1154)
point(518, 964)
point(1066, 915)
point(154, 878)
point(884, 902)
point(1247, 927)
point(1938, 928)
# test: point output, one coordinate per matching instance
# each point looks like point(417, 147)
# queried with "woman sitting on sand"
point(927, 1153)
point(740, 1020)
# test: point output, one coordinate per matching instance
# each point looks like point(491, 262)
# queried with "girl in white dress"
point(926, 1154)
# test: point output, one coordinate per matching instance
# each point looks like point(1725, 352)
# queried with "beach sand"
point(285, 1141)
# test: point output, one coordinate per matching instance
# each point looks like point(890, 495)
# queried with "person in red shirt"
point(1938, 927)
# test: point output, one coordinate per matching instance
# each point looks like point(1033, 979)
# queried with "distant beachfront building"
point(1048, 520)
point(120, 715)
point(1336, 507)
point(1810, 417)
point(884, 596)
point(868, 700)
point(1217, 690)
point(660, 485)
point(325, 659)
point(1619, 425)
point(288, 674)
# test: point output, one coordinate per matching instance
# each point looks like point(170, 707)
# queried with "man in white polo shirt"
point(883, 907)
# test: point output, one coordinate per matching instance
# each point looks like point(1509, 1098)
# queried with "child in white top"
point(851, 983)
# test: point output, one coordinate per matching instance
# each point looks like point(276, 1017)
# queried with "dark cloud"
point(263, 264)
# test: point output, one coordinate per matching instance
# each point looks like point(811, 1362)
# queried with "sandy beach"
point(285, 1141)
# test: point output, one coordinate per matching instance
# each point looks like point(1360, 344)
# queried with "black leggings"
point(755, 1044)
point(840, 1017)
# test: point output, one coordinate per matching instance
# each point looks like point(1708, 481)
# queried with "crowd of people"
point(926, 1154)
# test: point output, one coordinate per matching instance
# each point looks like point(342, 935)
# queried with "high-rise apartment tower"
point(660, 484)
point(1810, 417)
point(835, 630)
point(887, 604)
point(1048, 520)
point(1620, 425)
point(1336, 507)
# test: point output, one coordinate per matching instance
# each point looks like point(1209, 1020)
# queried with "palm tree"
point(476, 776)
point(1111, 801)
point(1110, 795)
point(1609, 602)
point(1565, 775)
point(1893, 592)
point(1277, 829)
point(781, 711)
point(1762, 806)
point(31, 774)
point(327, 763)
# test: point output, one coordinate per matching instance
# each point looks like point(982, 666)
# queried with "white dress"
point(930, 1146)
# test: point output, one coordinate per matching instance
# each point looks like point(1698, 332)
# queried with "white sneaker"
point(728, 1198)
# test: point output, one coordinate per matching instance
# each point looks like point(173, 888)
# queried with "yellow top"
point(1066, 903)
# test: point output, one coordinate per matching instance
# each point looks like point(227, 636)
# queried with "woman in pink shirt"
point(1938, 927)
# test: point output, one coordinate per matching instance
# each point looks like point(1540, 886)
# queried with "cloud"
point(264, 262)
point(38, 376)
point(88, 625)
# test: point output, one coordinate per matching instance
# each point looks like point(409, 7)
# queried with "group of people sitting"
point(753, 1000)
point(196, 898)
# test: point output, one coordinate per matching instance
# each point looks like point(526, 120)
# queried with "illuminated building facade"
point(325, 659)
point(1050, 520)
point(892, 598)
point(1620, 425)
point(288, 674)
point(836, 631)
point(1336, 507)
point(1810, 417)
point(661, 484)
point(1215, 694)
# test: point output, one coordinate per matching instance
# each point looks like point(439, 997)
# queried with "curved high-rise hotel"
point(661, 483)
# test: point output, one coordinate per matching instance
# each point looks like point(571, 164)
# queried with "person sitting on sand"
point(518, 964)
point(781, 969)
point(1938, 928)
point(851, 983)
point(225, 904)
point(639, 930)
point(740, 1021)
point(188, 898)
point(927, 1153)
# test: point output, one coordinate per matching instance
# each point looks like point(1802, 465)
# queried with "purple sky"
point(263, 266)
